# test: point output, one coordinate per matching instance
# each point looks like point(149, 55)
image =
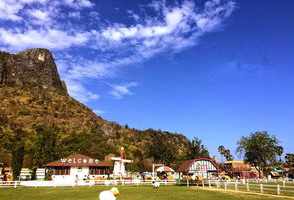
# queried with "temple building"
point(201, 167)
point(78, 167)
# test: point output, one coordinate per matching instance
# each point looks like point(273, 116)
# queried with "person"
point(155, 184)
point(109, 194)
point(76, 180)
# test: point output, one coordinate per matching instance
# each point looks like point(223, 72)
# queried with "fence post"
point(209, 184)
point(247, 187)
point(226, 186)
point(284, 184)
point(278, 190)
point(15, 184)
point(187, 182)
point(261, 188)
point(236, 186)
point(202, 183)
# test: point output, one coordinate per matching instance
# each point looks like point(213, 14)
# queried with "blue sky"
point(215, 69)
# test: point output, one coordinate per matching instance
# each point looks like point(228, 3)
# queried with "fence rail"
point(277, 188)
point(15, 184)
point(280, 189)
point(9, 184)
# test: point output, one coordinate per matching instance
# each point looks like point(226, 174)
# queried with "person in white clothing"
point(155, 184)
point(109, 194)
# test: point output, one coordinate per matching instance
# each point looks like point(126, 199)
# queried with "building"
point(78, 167)
point(240, 169)
point(201, 167)
point(25, 174)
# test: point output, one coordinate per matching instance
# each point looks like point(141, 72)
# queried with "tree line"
point(48, 143)
point(261, 150)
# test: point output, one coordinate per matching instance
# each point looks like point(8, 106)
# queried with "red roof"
point(79, 160)
point(185, 166)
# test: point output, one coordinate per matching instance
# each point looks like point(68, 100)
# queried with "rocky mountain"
point(40, 122)
point(34, 67)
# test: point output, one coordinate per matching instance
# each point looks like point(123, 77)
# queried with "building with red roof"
point(204, 167)
point(78, 167)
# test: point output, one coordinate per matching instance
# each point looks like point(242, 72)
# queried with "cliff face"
point(34, 67)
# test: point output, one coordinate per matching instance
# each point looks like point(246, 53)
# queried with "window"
point(99, 171)
point(61, 170)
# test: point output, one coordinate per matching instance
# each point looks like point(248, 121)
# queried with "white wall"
point(71, 178)
point(82, 172)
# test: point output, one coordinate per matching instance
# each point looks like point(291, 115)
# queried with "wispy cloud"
point(77, 90)
point(66, 26)
point(99, 112)
point(120, 90)
point(47, 38)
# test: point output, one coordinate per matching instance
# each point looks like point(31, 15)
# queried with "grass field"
point(127, 193)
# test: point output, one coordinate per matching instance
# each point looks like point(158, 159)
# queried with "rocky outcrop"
point(30, 68)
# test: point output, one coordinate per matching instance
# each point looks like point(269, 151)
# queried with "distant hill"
point(40, 122)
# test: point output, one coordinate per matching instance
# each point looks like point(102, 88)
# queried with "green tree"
point(197, 149)
point(12, 143)
point(226, 153)
point(16, 146)
point(260, 150)
point(45, 148)
point(289, 159)
point(161, 150)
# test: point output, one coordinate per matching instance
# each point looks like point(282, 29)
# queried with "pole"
point(209, 184)
point(153, 174)
point(236, 186)
point(247, 187)
point(278, 190)
point(261, 188)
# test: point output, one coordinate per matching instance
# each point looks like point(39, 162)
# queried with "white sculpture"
point(119, 168)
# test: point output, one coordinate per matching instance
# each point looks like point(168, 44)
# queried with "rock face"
point(33, 67)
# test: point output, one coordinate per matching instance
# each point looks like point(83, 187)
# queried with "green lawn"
point(127, 193)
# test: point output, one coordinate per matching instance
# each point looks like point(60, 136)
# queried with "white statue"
point(119, 168)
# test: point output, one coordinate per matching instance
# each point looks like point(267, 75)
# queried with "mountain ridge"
point(36, 109)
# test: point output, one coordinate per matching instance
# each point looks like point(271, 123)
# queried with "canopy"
point(164, 169)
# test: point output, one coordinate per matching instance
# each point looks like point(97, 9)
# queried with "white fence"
point(80, 183)
point(274, 188)
point(9, 184)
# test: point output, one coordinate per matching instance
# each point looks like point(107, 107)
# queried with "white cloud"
point(78, 4)
point(89, 69)
point(77, 90)
point(107, 45)
point(39, 16)
point(75, 14)
point(121, 90)
point(99, 112)
point(174, 29)
point(52, 39)
point(9, 9)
